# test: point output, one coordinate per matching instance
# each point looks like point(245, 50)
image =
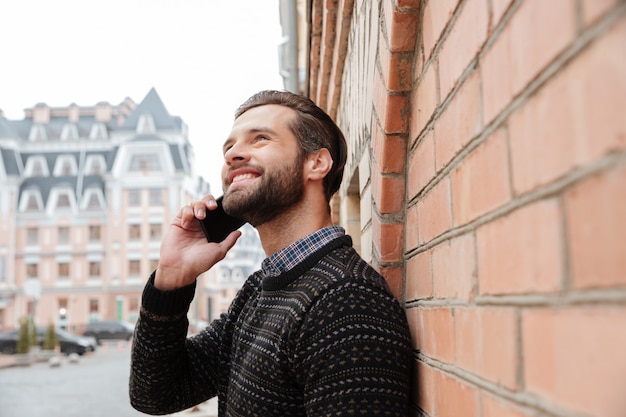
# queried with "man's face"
point(262, 174)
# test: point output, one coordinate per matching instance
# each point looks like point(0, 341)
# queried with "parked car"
point(68, 343)
point(109, 330)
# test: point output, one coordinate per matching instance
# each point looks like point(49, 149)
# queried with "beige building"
point(85, 196)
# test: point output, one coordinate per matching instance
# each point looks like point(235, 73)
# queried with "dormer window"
point(98, 131)
point(69, 132)
point(31, 201)
point(65, 166)
point(93, 200)
point(146, 124)
point(144, 163)
point(36, 166)
point(61, 199)
point(37, 133)
point(95, 165)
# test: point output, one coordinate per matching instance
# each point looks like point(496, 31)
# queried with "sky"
point(203, 57)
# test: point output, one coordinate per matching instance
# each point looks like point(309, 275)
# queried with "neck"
point(296, 223)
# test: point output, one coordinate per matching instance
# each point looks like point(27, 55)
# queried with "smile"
point(242, 177)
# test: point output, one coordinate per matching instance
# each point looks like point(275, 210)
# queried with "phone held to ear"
point(217, 224)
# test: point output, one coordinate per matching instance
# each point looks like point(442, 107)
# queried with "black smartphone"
point(217, 224)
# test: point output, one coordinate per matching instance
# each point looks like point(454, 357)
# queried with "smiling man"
point(314, 332)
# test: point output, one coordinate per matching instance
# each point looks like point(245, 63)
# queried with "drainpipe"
point(293, 80)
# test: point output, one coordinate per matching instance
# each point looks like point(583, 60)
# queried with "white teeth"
point(243, 177)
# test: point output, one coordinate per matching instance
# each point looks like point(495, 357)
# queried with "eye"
point(260, 138)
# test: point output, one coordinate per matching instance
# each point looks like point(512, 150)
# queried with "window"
point(95, 165)
point(64, 270)
point(69, 131)
point(33, 204)
point(36, 166)
point(63, 201)
point(156, 197)
point(94, 201)
point(133, 267)
point(32, 235)
point(63, 235)
point(134, 232)
point(143, 163)
point(93, 305)
point(94, 269)
point(94, 233)
point(65, 165)
point(37, 169)
point(134, 197)
point(32, 271)
point(155, 231)
point(153, 264)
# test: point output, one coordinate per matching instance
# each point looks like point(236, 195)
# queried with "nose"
point(237, 152)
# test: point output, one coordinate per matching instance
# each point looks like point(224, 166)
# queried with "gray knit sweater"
point(326, 338)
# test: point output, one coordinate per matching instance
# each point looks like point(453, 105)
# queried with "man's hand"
point(185, 252)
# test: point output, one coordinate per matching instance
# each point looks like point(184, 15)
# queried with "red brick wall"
point(497, 154)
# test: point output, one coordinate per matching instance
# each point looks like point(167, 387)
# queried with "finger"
point(209, 202)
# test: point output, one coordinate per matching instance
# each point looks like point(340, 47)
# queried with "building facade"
point(487, 182)
point(85, 196)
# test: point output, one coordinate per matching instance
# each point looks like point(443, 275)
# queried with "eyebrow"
point(251, 131)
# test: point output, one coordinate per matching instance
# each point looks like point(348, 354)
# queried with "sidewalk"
point(6, 360)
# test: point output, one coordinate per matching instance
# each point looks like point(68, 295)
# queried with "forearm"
point(164, 369)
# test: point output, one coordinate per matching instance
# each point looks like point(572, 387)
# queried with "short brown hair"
point(313, 128)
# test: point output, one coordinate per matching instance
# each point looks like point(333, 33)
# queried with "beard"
point(279, 190)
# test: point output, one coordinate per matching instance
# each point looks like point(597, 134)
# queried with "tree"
point(23, 340)
point(51, 339)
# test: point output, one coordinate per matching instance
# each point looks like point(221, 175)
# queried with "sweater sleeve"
point(353, 354)
point(170, 372)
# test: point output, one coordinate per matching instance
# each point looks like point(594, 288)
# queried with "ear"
point(317, 165)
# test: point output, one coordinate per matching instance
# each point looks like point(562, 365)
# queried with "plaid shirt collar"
point(288, 257)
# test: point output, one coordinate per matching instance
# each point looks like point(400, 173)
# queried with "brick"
point(394, 277)
point(426, 388)
point(467, 339)
point(413, 319)
point(499, 357)
point(437, 14)
point(522, 252)
point(407, 4)
point(436, 333)
point(434, 213)
point(459, 122)
point(498, 407)
point(498, 8)
point(418, 277)
point(596, 224)
point(593, 9)
point(411, 233)
point(424, 101)
point(403, 31)
point(390, 153)
point(454, 398)
point(527, 45)
point(546, 144)
point(574, 357)
point(481, 183)
point(464, 41)
point(496, 76)
point(387, 239)
point(486, 343)
point(454, 279)
point(388, 192)
point(536, 39)
point(421, 165)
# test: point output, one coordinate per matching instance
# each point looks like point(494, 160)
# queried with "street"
point(95, 386)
